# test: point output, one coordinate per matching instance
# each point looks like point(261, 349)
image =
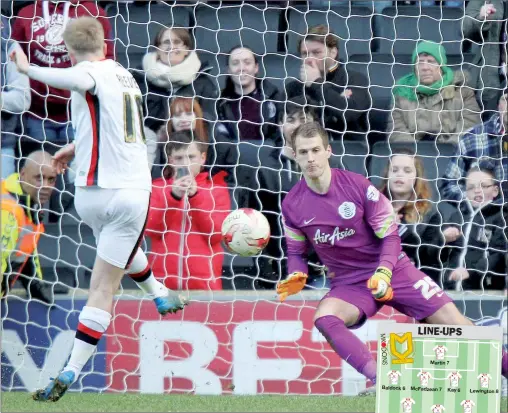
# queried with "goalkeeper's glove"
point(293, 284)
point(380, 284)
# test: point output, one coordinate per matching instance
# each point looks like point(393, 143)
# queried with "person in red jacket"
point(38, 28)
point(187, 209)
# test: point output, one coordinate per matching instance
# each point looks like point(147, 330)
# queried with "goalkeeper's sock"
point(93, 322)
point(504, 364)
point(141, 273)
point(349, 347)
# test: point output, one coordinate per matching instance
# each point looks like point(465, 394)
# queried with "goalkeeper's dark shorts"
point(415, 295)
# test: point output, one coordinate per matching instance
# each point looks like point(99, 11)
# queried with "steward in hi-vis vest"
point(21, 198)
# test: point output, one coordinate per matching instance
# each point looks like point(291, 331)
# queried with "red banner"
point(239, 347)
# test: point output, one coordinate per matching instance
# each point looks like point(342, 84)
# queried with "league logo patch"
point(347, 210)
point(372, 193)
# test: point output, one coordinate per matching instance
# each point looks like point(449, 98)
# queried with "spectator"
point(23, 195)
point(248, 107)
point(343, 95)
point(485, 24)
point(419, 220)
point(39, 28)
point(433, 102)
point(184, 114)
point(477, 257)
point(248, 113)
point(486, 140)
point(174, 70)
point(186, 213)
point(15, 99)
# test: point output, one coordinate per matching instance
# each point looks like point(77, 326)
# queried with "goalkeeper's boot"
point(56, 388)
point(369, 391)
point(171, 303)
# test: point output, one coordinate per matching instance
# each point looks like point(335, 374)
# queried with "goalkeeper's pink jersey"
point(346, 226)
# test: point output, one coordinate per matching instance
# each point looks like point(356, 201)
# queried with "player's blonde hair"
point(310, 130)
point(84, 35)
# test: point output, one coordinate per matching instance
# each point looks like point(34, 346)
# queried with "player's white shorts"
point(117, 218)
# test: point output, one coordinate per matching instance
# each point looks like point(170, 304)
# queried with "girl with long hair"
point(417, 216)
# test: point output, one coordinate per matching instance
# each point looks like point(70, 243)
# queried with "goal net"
point(239, 340)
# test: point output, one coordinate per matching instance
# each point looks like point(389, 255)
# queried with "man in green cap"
point(433, 102)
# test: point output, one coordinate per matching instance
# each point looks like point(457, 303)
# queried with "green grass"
point(92, 402)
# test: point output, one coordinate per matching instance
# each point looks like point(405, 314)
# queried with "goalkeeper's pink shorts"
point(415, 294)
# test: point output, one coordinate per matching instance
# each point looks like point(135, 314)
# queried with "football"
point(245, 232)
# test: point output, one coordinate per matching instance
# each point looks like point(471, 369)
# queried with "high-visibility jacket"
point(20, 228)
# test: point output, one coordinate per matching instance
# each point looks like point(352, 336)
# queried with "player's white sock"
point(141, 273)
point(93, 322)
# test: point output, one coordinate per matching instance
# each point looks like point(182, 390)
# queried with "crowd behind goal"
point(422, 114)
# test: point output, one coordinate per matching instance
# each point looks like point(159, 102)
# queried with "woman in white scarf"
point(174, 70)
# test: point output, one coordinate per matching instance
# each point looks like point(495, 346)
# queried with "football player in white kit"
point(113, 183)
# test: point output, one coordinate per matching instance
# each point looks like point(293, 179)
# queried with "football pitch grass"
point(93, 402)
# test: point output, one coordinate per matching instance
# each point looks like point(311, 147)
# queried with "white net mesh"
point(240, 340)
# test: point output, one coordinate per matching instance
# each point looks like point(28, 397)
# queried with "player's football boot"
point(172, 303)
point(56, 388)
point(369, 391)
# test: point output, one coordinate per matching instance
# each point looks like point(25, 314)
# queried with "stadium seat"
point(134, 27)
point(280, 69)
point(398, 29)
point(67, 251)
point(435, 159)
point(350, 155)
point(219, 29)
point(351, 23)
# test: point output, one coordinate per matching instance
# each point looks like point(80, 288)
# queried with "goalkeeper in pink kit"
point(351, 226)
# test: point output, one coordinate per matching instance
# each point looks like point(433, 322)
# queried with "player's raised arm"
point(77, 78)
point(297, 261)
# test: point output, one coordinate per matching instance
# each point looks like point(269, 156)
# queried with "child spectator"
point(38, 29)
point(187, 209)
point(418, 218)
point(477, 257)
point(185, 113)
point(433, 102)
point(174, 70)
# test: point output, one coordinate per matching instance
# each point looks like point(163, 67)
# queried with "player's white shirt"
point(394, 376)
point(440, 352)
point(454, 378)
point(110, 149)
point(407, 405)
point(438, 408)
point(485, 379)
point(424, 377)
point(467, 405)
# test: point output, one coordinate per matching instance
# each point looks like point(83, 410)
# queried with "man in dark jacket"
point(343, 96)
point(248, 129)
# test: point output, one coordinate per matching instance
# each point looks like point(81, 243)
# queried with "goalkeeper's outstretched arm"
point(297, 246)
